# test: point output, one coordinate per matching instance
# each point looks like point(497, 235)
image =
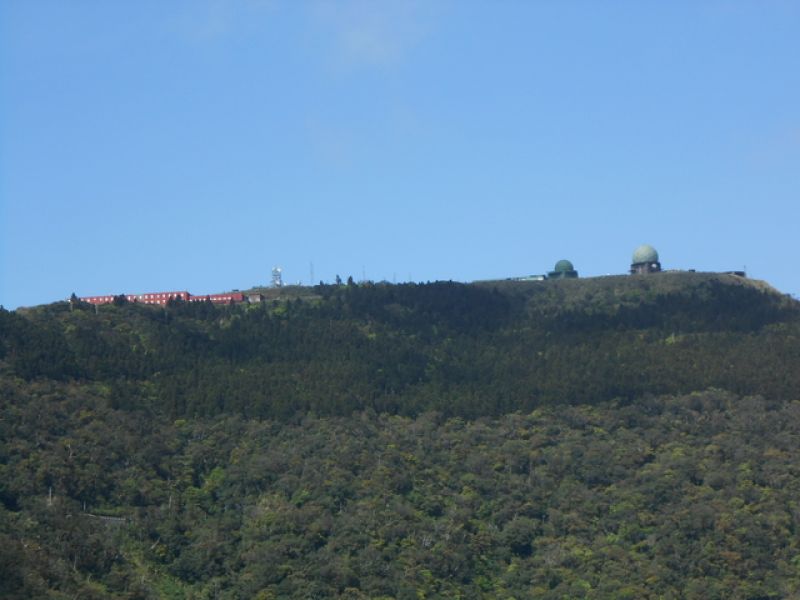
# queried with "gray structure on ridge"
point(563, 270)
point(645, 260)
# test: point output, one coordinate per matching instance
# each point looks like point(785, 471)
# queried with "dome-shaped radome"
point(563, 266)
point(644, 254)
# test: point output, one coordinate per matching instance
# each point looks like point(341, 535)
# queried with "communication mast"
point(277, 278)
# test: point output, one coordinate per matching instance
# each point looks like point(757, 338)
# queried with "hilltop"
point(464, 349)
point(610, 289)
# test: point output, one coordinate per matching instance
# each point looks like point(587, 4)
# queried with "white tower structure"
point(277, 278)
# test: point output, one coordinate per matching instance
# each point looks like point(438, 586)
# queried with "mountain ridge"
point(403, 348)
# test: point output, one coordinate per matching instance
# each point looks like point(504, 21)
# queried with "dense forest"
point(617, 437)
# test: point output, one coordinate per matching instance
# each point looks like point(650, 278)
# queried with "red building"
point(220, 298)
point(151, 298)
point(164, 297)
point(158, 297)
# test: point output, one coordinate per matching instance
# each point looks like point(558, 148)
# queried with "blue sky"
point(154, 145)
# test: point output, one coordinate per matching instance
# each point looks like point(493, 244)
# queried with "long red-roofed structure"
point(164, 297)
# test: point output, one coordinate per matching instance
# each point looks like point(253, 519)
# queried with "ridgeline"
point(613, 437)
point(463, 350)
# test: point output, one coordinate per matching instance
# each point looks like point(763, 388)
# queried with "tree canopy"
point(609, 438)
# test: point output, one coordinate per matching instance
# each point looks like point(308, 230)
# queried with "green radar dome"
point(563, 266)
point(645, 254)
point(563, 270)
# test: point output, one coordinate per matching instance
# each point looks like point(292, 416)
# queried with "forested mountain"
point(617, 437)
point(467, 350)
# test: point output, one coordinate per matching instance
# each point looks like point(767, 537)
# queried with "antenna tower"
point(277, 278)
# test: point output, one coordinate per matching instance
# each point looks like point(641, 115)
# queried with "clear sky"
point(168, 145)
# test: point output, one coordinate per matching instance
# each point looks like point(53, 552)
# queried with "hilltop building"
point(645, 260)
point(529, 278)
point(563, 270)
point(163, 298)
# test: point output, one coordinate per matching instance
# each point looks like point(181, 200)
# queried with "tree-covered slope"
point(620, 437)
point(669, 497)
point(466, 350)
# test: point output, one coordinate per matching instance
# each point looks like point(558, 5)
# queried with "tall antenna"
point(277, 277)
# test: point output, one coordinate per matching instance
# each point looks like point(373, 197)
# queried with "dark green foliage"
point(667, 497)
point(36, 349)
point(460, 349)
point(432, 441)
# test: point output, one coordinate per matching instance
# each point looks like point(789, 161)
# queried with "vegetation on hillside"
point(404, 349)
point(609, 438)
point(670, 497)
